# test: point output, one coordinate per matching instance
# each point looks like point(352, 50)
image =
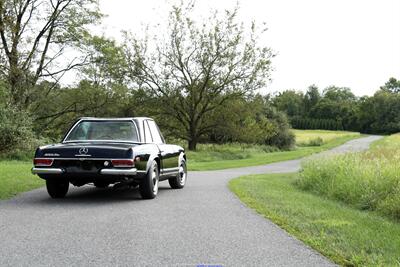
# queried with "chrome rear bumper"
point(47, 171)
point(113, 171)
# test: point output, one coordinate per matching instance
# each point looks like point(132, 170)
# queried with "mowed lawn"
point(16, 177)
point(347, 236)
point(214, 157)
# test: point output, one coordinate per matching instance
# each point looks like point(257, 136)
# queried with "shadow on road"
point(89, 195)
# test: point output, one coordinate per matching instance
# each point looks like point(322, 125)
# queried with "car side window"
point(155, 133)
point(147, 134)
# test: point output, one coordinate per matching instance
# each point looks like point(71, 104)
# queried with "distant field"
point(304, 137)
point(213, 157)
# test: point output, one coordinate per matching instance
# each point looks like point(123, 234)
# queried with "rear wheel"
point(57, 188)
point(148, 187)
point(179, 181)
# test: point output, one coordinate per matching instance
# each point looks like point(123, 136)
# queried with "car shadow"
point(92, 195)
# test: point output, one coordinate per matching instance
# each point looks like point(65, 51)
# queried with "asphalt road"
point(202, 224)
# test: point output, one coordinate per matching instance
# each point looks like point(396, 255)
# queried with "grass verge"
point(367, 180)
point(347, 236)
point(15, 177)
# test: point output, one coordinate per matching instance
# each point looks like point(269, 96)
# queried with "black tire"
point(179, 181)
point(148, 187)
point(101, 184)
point(57, 188)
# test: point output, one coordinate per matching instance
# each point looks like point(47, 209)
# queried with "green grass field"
point(15, 177)
point(214, 157)
point(347, 236)
point(367, 181)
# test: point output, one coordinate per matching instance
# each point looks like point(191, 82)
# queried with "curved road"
point(201, 224)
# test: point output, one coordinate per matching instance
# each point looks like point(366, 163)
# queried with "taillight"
point(123, 163)
point(43, 162)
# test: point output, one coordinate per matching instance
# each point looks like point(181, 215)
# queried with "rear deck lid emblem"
point(83, 151)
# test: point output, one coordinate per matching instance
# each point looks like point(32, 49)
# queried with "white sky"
point(353, 43)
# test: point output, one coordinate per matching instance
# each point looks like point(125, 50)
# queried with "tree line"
point(337, 108)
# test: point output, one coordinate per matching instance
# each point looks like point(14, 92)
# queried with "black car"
point(104, 151)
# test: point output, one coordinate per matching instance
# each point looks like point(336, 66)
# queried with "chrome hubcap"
point(154, 178)
point(182, 174)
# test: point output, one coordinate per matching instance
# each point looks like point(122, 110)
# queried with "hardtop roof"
point(116, 119)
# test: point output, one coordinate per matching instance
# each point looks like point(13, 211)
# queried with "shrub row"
point(311, 123)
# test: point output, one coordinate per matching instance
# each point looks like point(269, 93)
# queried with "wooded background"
point(200, 81)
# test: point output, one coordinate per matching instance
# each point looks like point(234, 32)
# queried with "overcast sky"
point(353, 43)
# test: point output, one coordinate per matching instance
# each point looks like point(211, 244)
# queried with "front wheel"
point(148, 187)
point(57, 188)
point(179, 181)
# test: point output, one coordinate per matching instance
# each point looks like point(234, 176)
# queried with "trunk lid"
point(86, 150)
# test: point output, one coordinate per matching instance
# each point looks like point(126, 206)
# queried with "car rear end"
point(85, 163)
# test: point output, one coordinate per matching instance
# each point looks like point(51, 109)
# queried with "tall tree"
point(34, 35)
point(289, 101)
point(108, 64)
point(311, 98)
point(339, 94)
point(392, 86)
point(200, 66)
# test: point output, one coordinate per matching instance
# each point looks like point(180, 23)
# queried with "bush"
point(251, 121)
point(282, 136)
point(15, 130)
point(315, 142)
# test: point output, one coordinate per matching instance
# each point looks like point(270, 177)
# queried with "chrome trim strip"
point(91, 142)
point(47, 171)
point(175, 169)
point(81, 158)
point(170, 171)
point(115, 171)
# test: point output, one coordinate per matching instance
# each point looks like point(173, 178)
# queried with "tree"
point(107, 65)
point(15, 129)
point(339, 94)
point(34, 35)
point(392, 86)
point(311, 98)
point(289, 101)
point(252, 120)
point(380, 114)
point(198, 67)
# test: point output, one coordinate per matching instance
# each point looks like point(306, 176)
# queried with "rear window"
point(104, 130)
